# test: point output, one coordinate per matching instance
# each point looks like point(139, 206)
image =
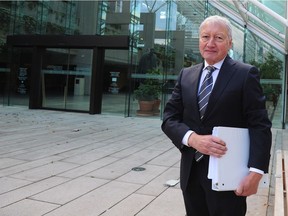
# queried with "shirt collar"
point(216, 65)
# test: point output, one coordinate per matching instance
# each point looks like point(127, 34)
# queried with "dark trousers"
point(201, 200)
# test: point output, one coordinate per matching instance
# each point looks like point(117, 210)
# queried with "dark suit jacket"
point(236, 101)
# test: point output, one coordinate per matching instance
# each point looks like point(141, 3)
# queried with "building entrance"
point(67, 72)
point(66, 78)
point(15, 89)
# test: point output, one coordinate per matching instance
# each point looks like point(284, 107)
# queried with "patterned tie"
point(205, 91)
point(203, 98)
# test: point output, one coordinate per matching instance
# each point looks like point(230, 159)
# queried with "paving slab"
point(129, 206)
point(165, 204)
point(27, 207)
point(14, 196)
point(69, 190)
point(9, 184)
point(97, 201)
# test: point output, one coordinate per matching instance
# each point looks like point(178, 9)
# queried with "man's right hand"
point(207, 144)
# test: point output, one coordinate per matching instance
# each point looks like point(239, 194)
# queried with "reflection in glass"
point(66, 78)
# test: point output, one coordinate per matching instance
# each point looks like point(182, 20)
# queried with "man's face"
point(214, 42)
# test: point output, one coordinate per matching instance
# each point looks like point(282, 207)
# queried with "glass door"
point(115, 82)
point(17, 78)
point(66, 79)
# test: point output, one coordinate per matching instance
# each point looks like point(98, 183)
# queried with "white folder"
point(228, 171)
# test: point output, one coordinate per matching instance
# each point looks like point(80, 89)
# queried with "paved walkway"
point(64, 164)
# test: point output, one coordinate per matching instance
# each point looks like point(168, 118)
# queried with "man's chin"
point(210, 60)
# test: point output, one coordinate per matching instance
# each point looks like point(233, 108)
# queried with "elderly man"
point(218, 92)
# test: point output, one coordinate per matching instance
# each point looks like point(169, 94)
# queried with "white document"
point(228, 171)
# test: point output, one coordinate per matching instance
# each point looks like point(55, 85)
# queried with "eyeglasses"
point(217, 38)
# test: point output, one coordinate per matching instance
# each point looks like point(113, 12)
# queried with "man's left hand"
point(249, 184)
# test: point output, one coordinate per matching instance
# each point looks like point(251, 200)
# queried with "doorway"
point(66, 78)
point(67, 71)
point(17, 77)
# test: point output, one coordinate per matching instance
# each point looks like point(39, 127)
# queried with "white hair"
point(218, 19)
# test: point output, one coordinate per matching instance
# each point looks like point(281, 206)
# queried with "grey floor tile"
point(157, 185)
point(27, 207)
point(257, 205)
point(45, 171)
point(87, 169)
point(168, 203)
point(29, 190)
point(168, 158)
point(97, 201)
point(70, 190)
point(9, 184)
point(143, 177)
point(129, 206)
point(9, 162)
point(28, 165)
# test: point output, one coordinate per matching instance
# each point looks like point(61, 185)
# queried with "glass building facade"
point(73, 55)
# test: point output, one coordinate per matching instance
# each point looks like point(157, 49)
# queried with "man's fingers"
point(239, 191)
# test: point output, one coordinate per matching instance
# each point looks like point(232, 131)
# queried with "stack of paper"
point(228, 171)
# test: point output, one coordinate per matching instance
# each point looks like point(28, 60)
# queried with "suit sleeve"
point(173, 125)
point(254, 106)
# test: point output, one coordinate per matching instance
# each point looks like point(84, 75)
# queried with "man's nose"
point(211, 41)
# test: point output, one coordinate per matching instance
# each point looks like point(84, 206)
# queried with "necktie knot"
point(210, 70)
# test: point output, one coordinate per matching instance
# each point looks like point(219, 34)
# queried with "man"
point(236, 100)
point(147, 62)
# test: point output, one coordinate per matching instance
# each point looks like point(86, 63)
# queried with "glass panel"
point(182, 39)
point(273, 103)
point(48, 17)
point(270, 62)
point(4, 78)
point(149, 54)
point(114, 17)
point(4, 72)
point(268, 19)
point(19, 77)
point(165, 38)
point(116, 83)
point(66, 79)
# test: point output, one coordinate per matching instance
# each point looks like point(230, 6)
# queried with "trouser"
point(201, 200)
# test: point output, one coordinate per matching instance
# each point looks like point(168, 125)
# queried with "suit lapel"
point(196, 73)
point(225, 74)
point(195, 77)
